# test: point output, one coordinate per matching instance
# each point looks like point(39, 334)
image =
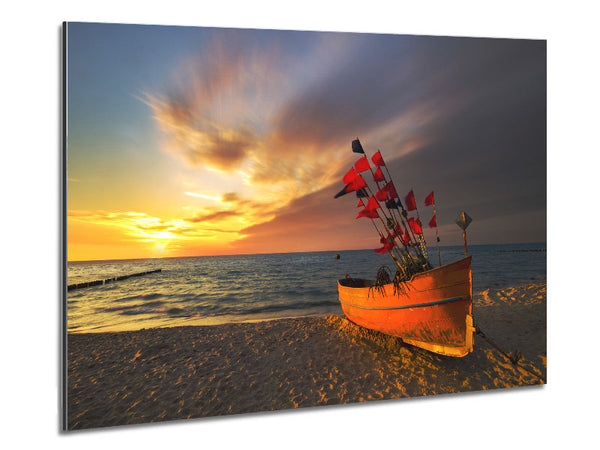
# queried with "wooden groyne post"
point(70, 287)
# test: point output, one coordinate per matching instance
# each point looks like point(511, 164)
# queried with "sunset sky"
point(203, 141)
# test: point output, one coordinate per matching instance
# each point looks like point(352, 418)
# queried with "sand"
point(186, 372)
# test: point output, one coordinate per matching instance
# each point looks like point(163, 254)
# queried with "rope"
point(514, 358)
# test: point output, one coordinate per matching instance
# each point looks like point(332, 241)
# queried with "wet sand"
point(186, 372)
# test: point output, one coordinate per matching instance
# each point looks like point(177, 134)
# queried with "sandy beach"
point(186, 372)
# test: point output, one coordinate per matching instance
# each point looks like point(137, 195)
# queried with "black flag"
point(361, 193)
point(347, 188)
point(356, 147)
point(391, 204)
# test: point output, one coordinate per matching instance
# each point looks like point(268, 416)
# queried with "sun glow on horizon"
point(140, 233)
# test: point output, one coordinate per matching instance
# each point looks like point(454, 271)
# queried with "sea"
point(210, 290)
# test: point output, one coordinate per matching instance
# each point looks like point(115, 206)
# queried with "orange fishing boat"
point(425, 307)
point(433, 310)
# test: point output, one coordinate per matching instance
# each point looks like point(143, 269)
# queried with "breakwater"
point(70, 287)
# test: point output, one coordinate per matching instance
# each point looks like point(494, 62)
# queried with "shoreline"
point(171, 373)
point(255, 318)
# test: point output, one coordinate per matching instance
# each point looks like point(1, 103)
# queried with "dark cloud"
point(423, 79)
point(230, 197)
point(221, 151)
point(198, 140)
point(478, 109)
point(312, 222)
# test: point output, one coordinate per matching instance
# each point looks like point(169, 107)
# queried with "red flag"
point(368, 213)
point(433, 222)
point(405, 237)
point(360, 203)
point(397, 230)
point(362, 164)
point(415, 225)
point(378, 175)
point(429, 199)
point(350, 176)
point(372, 204)
point(388, 247)
point(377, 159)
point(409, 201)
point(358, 183)
point(370, 209)
point(382, 195)
point(388, 244)
point(391, 189)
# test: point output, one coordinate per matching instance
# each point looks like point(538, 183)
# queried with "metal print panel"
point(259, 220)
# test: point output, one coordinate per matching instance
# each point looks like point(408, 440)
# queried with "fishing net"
point(384, 277)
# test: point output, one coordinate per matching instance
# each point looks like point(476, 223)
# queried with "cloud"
point(311, 222)
point(140, 226)
point(213, 216)
point(463, 117)
point(222, 112)
point(199, 142)
point(475, 120)
point(230, 197)
point(238, 214)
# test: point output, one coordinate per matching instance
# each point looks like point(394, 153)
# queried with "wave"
point(150, 296)
point(266, 285)
point(271, 308)
point(123, 309)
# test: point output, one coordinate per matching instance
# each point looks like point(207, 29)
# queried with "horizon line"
point(276, 253)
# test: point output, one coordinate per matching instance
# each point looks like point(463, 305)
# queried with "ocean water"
point(221, 289)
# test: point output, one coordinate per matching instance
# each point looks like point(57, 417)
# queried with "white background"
point(564, 412)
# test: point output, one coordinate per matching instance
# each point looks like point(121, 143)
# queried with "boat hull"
point(432, 311)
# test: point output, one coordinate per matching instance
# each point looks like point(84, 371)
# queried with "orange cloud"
point(226, 116)
point(150, 235)
point(213, 216)
point(199, 141)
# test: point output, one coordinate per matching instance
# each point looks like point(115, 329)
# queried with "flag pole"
point(379, 188)
point(390, 234)
point(463, 220)
point(409, 258)
point(422, 240)
point(393, 219)
point(404, 214)
point(400, 265)
point(418, 247)
point(364, 190)
point(418, 240)
point(437, 237)
point(400, 261)
point(419, 256)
